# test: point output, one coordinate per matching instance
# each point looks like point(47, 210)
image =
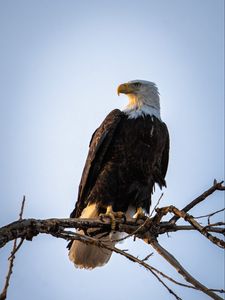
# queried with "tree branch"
point(97, 242)
point(180, 269)
point(15, 248)
point(148, 230)
point(210, 214)
point(181, 214)
point(167, 227)
point(217, 186)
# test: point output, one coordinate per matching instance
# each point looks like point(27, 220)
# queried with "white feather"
point(143, 101)
point(135, 112)
point(88, 256)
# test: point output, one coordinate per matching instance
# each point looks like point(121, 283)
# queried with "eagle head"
point(140, 92)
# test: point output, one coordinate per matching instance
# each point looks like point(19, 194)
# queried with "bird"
point(128, 155)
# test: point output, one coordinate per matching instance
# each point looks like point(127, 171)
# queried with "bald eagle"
point(128, 154)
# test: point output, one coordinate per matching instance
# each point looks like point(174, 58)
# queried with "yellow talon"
point(112, 215)
point(139, 213)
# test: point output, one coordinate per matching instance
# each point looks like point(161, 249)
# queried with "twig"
point(222, 291)
point(15, 248)
point(214, 224)
point(147, 257)
point(134, 232)
point(211, 214)
point(217, 186)
point(90, 240)
point(181, 214)
point(68, 235)
point(156, 205)
point(152, 270)
point(168, 228)
point(180, 269)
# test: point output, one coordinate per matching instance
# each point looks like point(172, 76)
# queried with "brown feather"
point(125, 160)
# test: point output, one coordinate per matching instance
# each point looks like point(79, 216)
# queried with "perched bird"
point(128, 154)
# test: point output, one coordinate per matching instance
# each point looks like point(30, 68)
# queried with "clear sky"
point(60, 64)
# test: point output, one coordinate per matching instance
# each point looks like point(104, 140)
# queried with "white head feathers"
point(143, 98)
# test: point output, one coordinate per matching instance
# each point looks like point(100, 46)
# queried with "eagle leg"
point(140, 214)
point(112, 215)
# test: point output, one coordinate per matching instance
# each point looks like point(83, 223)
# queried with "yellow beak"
point(124, 88)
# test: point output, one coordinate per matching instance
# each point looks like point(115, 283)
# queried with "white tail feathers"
point(89, 256)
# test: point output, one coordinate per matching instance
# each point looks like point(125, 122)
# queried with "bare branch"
point(181, 214)
point(135, 232)
point(22, 208)
point(214, 224)
point(166, 227)
point(15, 248)
point(180, 269)
point(90, 240)
point(222, 291)
point(147, 229)
point(210, 214)
point(217, 186)
point(147, 257)
point(157, 203)
point(68, 235)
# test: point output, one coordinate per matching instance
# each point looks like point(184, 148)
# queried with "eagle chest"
point(135, 142)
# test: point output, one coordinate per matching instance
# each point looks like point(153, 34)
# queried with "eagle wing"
point(98, 147)
point(165, 154)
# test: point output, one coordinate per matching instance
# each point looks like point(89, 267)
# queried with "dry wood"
point(148, 230)
point(181, 270)
point(15, 248)
point(217, 186)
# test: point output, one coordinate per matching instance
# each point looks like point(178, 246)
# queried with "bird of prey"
point(128, 155)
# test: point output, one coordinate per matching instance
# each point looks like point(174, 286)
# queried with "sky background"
point(60, 65)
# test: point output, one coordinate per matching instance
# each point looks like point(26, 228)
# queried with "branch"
point(168, 228)
point(181, 214)
point(31, 227)
point(68, 235)
point(180, 269)
point(214, 224)
point(97, 242)
point(28, 228)
point(210, 214)
point(217, 186)
point(148, 230)
point(15, 248)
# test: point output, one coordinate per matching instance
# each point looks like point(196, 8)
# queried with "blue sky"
point(61, 62)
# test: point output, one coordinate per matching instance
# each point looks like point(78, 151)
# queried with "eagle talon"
point(109, 216)
point(139, 214)
point(120, 215)
point(112, 215)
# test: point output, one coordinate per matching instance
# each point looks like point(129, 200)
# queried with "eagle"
point(128, 155)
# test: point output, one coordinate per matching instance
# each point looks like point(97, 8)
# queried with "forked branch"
point(148, 230)
point(15, 248)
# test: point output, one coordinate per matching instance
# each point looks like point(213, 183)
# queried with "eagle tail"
point(86, 256)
